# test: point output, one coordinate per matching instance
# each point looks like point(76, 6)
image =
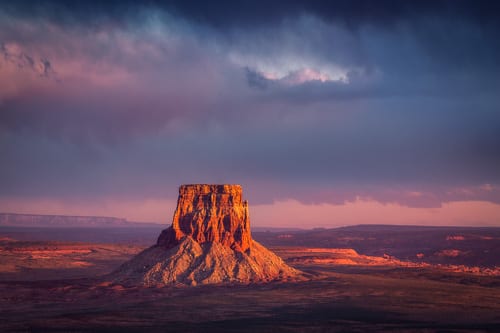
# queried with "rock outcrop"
point(210, 213)
point(209, 241)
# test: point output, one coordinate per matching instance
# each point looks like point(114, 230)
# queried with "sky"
point(328, 113)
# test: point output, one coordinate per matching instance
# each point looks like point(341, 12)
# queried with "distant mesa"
point(65, 221)
point(37, 220)
point(208, 242)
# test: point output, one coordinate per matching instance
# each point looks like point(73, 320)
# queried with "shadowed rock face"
point(210, 213)
point(209, 241)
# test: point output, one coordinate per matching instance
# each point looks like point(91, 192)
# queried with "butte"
point(209, 242)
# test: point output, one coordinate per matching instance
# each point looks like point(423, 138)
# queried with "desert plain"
point(356, 279)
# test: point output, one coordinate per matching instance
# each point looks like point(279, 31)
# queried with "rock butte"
point(210, 213)
point(209, 241)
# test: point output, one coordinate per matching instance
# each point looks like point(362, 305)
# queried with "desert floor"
point(62, 287)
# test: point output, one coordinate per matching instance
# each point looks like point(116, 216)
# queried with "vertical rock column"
point(210, 213)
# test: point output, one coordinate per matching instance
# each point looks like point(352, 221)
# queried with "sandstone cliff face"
point(210, 213)
point(209, 241)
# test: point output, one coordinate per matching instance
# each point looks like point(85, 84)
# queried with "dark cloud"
point(391, 100)
point(226, 14)
point(351, 14)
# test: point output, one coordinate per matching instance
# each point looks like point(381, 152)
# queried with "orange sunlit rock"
point(210, 213)
point(209, 242)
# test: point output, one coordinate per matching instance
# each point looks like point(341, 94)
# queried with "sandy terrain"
point(54, 287)
point(57, 260)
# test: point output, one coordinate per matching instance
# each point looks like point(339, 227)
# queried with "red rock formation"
point(210, 213)
point(209, 241)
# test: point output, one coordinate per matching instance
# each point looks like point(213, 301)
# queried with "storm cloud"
point(311, 101)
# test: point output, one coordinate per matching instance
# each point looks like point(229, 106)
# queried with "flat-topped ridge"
point(210, 188)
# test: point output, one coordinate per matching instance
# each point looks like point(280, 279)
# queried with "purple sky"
point(320, 109)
